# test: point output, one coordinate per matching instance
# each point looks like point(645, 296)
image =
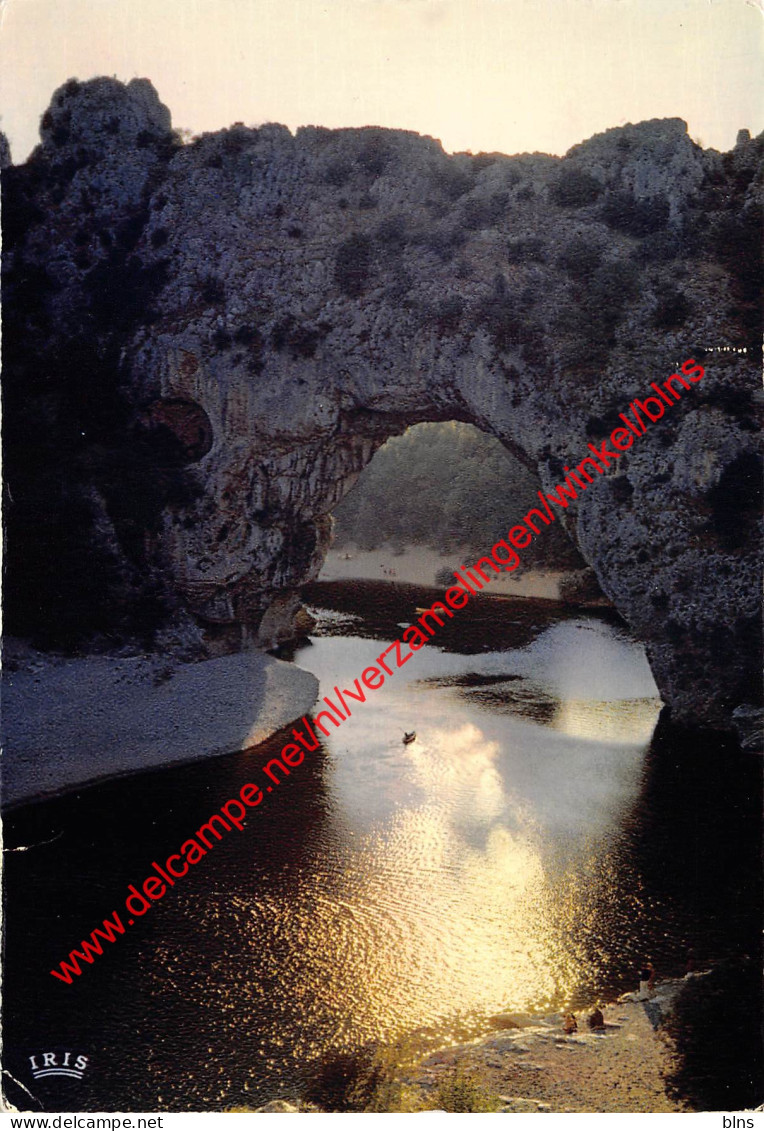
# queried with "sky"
point(480, 75)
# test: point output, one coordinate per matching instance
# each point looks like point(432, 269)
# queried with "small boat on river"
point(408, 737)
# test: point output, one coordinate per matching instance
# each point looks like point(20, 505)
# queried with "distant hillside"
point(445, 486)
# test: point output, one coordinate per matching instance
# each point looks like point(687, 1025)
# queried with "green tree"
point(446, 486)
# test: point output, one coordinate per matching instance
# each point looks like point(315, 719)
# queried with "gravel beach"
point(68, 722)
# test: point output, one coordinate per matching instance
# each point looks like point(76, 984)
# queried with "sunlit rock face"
point(205, 343)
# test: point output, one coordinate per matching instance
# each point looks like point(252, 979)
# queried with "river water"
point(530, 848)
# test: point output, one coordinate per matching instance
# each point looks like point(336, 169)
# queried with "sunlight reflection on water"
point(522, 853)
point(458, 874)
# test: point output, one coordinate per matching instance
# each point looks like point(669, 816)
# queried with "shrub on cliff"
point(450, 180)
point(586, 325)
point(736, 241)
point(623, 212)
point(575, 188)
point(505, 317)
point(444, 241)
point(392, 232)
point(338, 171)
point(462, 1091)
point(612, 286)
point(579, 258)
point(485, 212)
point(448, 314)
point(671, 309)
point(376, 153)
point(528, 250)
point(353, 264)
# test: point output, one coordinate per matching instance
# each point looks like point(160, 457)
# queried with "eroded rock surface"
point(205, 343)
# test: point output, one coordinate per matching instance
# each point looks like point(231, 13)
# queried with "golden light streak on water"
point(473, 872)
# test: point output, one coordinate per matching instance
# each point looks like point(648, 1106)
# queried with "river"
point(529, 849)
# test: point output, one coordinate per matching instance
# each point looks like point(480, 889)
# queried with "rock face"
point(205, 344)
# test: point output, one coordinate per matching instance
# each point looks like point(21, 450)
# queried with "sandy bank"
point(418, 565)
point(71, 722)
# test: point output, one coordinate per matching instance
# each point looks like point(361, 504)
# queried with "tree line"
point(445, 486)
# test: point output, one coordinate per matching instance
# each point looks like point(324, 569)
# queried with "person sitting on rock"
point(646, 981)
point(569, 1024)
point(596, 1019)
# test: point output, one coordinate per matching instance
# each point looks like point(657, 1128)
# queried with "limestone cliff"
point(205, 343)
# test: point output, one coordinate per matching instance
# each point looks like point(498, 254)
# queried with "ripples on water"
point(464, 849)
point(384, 889)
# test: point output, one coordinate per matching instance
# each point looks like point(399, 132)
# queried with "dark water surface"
point(534, 845)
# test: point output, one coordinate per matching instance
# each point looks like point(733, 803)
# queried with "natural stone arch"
point(314, 294)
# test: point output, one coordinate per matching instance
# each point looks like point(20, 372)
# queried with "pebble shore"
point(534, 1067)
point(71, 722)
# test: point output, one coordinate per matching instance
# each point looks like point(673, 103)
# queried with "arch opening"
point(438, 495)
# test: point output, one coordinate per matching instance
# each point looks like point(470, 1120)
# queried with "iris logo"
point(51, 1066)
